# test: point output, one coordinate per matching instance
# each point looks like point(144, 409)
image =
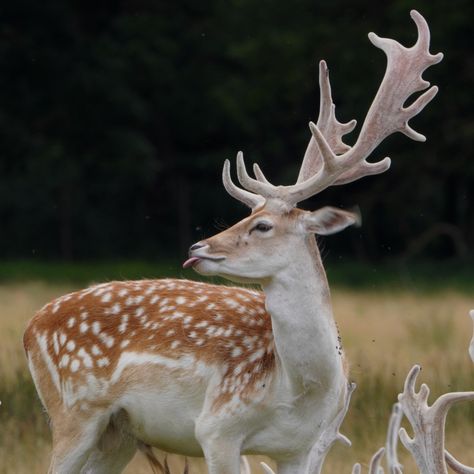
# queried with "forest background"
point(116, 117)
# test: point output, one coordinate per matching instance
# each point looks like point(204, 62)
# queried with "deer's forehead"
point(283, 218)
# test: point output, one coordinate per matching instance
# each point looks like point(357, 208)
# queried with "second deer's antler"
point(328, 161)
point(428, 423)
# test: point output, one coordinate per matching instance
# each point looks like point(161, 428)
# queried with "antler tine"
point(456, 466)
point(386, 115)
point(266, 468)
point(265, 189)
point(374, 466)
point(331, 128)
point(428, 423)
point(356, 469)
point(394, 466)
point(249, 199)
point(471, 345)
point(259, 174)
point(330, 435)
point(245, 466)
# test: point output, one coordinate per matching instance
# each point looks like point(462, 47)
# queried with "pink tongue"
point(190, 262)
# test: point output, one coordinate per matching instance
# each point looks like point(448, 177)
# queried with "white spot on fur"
point(123, 325)
point(164, 302)
point(124, 344)
point(75, 364)
point(86, 358)
point(231, 303)
point(95, 350)
point(106, 298)
point(64, 360)
point(238, 368)
point(71, 322)
point(55, 342)
point(180, 300)
point(62, 338)
point(236, 351)
point(83, 327)
point(106, 339)
point(70, 346)
point(154, 299)
point(177, 315)
point(103, 362)
point(256, 355)
point(96, 327)
point(115, 309)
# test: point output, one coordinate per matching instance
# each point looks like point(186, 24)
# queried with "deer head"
point(261, 244)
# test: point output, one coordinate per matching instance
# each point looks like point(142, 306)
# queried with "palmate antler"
point(428, 423)
point(328, 161)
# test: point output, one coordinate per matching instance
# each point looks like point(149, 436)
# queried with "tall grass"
point(384, 332)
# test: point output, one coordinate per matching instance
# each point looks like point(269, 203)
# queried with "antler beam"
point(328, 160)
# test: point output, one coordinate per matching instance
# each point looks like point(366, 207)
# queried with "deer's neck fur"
point(305, 333)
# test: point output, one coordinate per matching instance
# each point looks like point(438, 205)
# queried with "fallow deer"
point(209, 370)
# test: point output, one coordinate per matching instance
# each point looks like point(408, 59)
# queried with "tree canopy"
point(116, 117)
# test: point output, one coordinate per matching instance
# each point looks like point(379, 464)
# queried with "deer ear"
point(330, 220)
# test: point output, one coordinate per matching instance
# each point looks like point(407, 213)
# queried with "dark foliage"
point(116, 116)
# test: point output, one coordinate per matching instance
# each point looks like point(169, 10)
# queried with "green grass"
point(425, 276)
point(384, 333)
point(418, 276)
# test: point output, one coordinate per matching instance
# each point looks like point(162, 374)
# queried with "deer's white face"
point(263, 244)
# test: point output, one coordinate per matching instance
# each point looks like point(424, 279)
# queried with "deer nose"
point(195, 247)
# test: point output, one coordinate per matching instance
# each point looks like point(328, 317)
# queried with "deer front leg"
point(222, 457)
point(298, 464)
point(221, 448)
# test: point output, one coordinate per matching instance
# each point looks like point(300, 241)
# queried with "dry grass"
point(384, 334)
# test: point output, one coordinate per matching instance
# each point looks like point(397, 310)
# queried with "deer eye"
point(262, 227)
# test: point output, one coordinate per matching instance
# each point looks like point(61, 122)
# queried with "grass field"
point(384, 330)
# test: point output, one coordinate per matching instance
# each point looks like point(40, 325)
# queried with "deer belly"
point(164, 420)
point(162, 407)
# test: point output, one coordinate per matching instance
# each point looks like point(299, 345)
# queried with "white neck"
point(306, 338)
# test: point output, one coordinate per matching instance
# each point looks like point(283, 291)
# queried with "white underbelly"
point(165, 419)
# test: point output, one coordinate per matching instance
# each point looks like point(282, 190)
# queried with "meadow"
point(387, 324)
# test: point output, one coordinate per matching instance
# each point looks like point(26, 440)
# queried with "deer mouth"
point(193, 261)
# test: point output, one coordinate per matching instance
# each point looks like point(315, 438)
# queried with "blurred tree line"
point(116, 117)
